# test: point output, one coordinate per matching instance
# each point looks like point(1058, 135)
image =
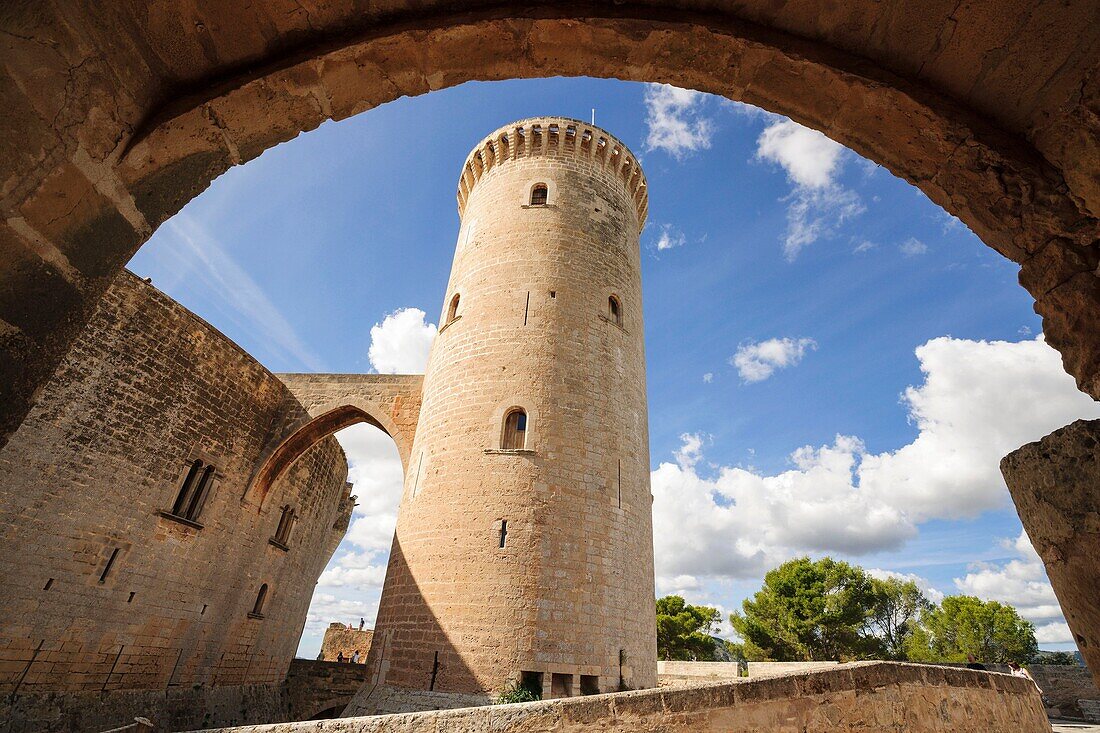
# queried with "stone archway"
point(334, 402)
point(117, 116)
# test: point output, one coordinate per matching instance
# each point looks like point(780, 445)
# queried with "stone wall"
point(340, 639)
point(321, 689)
point(863, 697)
point(1064, 688)
point(1054, 483)
point(112, 606)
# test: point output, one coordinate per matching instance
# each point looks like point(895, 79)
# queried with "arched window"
point(615, 310)
point(258, 609)
point(538, 194)
point(193, 492)
point(515, 430)
point(452, 310)
point(286, 523)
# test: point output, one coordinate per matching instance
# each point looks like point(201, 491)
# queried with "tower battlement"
point(554, 137)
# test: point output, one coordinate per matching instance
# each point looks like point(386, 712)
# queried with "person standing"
point(339, 656)
point(355, 657)
point(1017, 671)
point(973, 663)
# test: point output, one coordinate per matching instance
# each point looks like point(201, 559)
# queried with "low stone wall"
point(862, 697)
point(317, 689)
point(1068, 690)
point(771, 669)
point(675, 674)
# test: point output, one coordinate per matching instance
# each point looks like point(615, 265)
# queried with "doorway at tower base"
point(386, 700)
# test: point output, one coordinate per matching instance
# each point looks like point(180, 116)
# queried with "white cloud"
point(669, 237)
point(810, 159)
point(756, 362)
point(708, 377)
point(743, 522)
point(674, 120)
point(1022, 583)
point(864, 246)
point(839, 498)
point(979, 401)
point(401, 342)
point(817, 204)
point(912, 247)
point(930, 592)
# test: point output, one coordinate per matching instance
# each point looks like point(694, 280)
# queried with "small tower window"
point(615, 311)
point(258, 608)
point(192, 494)
point(538, 194)
point(452, 310)
point(286, 523)
point(515, 430)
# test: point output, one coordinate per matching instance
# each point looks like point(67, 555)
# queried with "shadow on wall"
point(431, 673)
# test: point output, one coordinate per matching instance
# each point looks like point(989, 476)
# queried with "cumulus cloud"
point(401, 342)
point(669, 237)
point(979, 401)
point(817, 204)
point(675, 121)
point(809, 158)
point(930, 592)
point(1021, 582)
point(912, 247)
point(756, 361)
point(708, 377)
point(839, 498)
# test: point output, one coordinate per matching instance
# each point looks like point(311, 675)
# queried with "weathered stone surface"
point(1055, 483)
point(864, 697)
point(110, 609)
point(319, 689)
point(344, 641)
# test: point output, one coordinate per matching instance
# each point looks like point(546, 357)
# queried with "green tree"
point(684, 631)
point(896, 610)
point(961, 625)
point(809, 611)
point(1055, 658)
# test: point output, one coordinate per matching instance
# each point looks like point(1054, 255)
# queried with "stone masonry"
point(113, 606)
point(534, 559)
point(340, 639)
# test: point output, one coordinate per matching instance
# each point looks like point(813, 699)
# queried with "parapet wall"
point(109, 606)
point(862, 697)
point(555, 137)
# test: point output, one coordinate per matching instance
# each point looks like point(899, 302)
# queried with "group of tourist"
point(1014, 669)
point(353, 659)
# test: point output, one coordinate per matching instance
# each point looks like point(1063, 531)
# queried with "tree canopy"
point(961, 625)
point(815, 610)
point(684, 631)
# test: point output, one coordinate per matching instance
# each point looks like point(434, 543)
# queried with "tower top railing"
point(554, 137)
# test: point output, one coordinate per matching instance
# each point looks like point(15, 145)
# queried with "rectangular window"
point(503, 531)
point(590, 684)
point(561, 685)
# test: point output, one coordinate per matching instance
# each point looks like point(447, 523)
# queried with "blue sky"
point(835, 364)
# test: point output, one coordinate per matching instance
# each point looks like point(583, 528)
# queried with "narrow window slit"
point(49, 583)
point(526, 307)
point(503, 532)
point(131, 598)
point(619, 483)
point(203, 611)
point(435, 671)
point(107, 567)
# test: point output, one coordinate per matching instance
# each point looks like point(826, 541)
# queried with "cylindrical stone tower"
point(524, 544)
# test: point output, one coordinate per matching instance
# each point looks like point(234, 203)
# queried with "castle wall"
point(105, 597)
point(339, 639)
point(570, 592)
